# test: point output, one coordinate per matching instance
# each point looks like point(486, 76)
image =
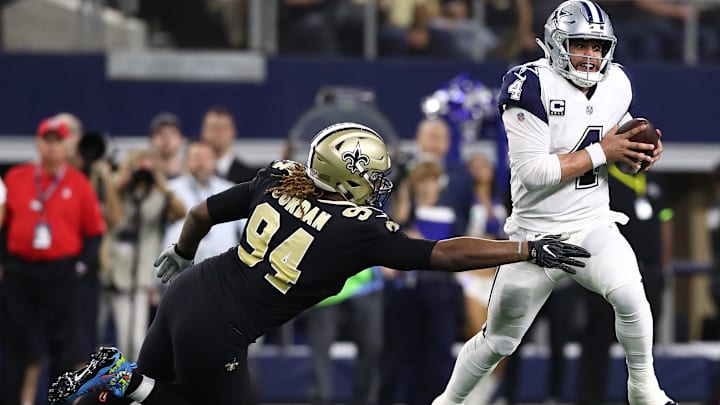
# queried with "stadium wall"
point(267, 104)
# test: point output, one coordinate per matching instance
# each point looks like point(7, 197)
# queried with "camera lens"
point(142, 178)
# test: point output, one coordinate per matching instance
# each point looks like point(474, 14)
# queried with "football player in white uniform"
point(561, 114)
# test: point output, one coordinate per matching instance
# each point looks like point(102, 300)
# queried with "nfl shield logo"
point(589, 109)
point(520, 116)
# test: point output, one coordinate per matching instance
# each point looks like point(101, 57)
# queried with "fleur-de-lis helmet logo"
point(355, 158)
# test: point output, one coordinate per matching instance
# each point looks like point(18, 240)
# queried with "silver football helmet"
point(351, 159)
point(578, 19)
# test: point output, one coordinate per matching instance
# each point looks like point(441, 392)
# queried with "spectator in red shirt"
point(54, 225)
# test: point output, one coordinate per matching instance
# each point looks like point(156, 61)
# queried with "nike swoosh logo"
point(547, 249)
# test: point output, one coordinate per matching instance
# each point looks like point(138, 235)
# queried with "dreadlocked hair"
point(296, 183)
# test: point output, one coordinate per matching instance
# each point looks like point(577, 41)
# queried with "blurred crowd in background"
point(652, 30)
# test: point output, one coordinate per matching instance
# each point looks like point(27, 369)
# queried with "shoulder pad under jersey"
point(521, 88)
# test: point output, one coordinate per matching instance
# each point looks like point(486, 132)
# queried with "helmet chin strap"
point(544, 48)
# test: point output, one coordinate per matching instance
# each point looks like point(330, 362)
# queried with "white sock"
point(143, 390)
point(442, 400)
point(644, 377)
point(474, 362)
point(643, 388)
point(483, 392)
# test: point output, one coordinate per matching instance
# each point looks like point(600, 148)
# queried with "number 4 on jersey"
point(515, 89)
point(589, 178)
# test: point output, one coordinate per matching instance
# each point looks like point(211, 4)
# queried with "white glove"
point(171, 264)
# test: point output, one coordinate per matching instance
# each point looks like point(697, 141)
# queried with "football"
point(649, 135)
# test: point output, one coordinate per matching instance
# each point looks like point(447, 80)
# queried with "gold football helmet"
point(351, 159)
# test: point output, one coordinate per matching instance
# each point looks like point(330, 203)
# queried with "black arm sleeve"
point(399, 252)
point(231, 204)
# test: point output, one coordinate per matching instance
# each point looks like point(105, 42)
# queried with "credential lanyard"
point(43, 196)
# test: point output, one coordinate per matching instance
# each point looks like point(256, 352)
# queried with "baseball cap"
point(163, 119)
point(53, 126)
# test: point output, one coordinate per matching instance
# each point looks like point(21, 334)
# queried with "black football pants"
point(192, 351)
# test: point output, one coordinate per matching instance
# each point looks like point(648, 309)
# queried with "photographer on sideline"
point(147, 206)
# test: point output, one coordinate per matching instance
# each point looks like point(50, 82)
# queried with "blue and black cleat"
point(108, 370)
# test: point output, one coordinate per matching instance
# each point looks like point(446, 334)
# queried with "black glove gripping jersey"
point(294, 253)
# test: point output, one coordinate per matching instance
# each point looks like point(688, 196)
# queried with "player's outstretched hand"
point(171, 264)
point(551, 251)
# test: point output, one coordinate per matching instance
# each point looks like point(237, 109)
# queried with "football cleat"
point(108, 370)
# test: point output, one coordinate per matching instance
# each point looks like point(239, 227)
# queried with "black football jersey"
point(295, 253)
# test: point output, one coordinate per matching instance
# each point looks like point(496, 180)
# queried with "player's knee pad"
point(481, 353)
point(633, 324)
point(503, 345)
point(630, 305)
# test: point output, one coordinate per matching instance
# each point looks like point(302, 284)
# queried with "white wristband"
point(597, 155)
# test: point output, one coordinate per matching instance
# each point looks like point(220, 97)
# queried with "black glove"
point(550, 251)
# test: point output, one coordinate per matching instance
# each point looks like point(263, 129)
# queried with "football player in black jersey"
point(309, 228)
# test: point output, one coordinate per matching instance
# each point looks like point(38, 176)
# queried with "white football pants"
point(521, 289)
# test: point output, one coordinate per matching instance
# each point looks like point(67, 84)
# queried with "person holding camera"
point(147, 206)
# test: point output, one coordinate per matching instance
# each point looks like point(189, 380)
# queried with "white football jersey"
point(546, 115)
